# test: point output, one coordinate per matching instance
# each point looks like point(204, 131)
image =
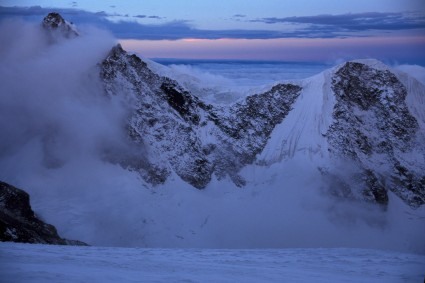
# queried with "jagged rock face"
point(244, 128)
point(374, 130)
point(18, 223)
point(170, 121)
point(163, 118)
point(57, 26)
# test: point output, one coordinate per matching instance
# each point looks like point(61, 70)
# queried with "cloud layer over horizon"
point(318, 26)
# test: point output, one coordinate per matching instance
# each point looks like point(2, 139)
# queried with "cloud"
point(172, 30)
point(148, 17)
point(321, 26)
point(155, 17)
point(357, 22)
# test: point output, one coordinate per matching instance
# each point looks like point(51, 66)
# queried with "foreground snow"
point(43, 263)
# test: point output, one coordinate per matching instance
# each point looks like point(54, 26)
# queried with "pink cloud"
point(291, 49)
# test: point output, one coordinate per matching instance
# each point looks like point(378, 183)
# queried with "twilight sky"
point(302, 30)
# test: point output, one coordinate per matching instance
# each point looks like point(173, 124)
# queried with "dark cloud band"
point(358, 22)
point(321, 26)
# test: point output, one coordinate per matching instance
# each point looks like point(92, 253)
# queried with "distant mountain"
point(57, 26)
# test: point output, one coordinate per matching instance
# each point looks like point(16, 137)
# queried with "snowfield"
point(48, 263)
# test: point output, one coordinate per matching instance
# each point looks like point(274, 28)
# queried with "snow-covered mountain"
point(59, 27)
point(103, 136)
point(186, 135)
point(359, 114)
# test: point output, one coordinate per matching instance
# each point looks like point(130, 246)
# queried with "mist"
point(56, 124)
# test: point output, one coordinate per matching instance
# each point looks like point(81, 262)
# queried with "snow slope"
point(303, 130)
point(42, 263)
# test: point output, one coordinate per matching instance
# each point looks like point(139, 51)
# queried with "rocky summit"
point(58, 26)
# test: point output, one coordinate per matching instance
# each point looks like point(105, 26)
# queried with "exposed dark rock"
point(58, 27)
point(373, 127)
point(355, 184)
point(246, 126)
point(374, 189)
point(168, 119)
point(53, 21)
point(180, 100)
point(18, 223)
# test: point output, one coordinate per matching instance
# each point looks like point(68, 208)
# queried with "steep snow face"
point(185, 135)
point(302, 131)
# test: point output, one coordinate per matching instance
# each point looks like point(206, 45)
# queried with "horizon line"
point(169, 60)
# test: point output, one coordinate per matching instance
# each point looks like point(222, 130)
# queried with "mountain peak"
point(54, 22)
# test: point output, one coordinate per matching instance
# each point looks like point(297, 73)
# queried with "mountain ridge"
point(237, 123)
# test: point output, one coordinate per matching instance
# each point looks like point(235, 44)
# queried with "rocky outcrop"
point(243, 129)
point(375, 132)
point(170, 121)
point(163, 119)
point(58, 27)
point(18, 223)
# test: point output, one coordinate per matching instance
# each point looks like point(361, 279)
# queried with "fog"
point(56, 125)
point(416, 71)
point(225, 81)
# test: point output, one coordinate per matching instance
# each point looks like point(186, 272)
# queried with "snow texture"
point(42, 263)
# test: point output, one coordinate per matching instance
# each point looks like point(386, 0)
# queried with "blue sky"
point(392, 30)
